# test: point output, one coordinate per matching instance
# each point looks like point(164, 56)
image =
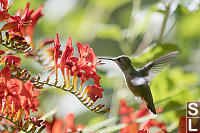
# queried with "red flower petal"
point(67, 53)
point(182, 124)
point(4, 4)
point(69, 123)
point(57, 126)
point(83, 50)
point(93, 57)
point(143, 131)
point(140, 113)
point(125, 119)
point(29, 87)
point(124, 109)
point(14, 86)
point(4, 15)
point(34, 17)
point(5, 74)
point(56, 53)
point(151, 123)
point(133, 128)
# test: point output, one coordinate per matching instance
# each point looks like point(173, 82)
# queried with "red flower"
point(131, 128)
point(143, 131)
point(5, 74)
point(11, 59)
point(57, 126)
point(4, 12)
point(23, 26)
point(68, 126)
point(66, 55)
point(124, 109)
point(140, 113)
point(56, 53)
point(153, 123)
point(4, 4)
point(94, 92)
point(4, 15)
point(17, 23)
point(182, 125)
point(85, 65)
point(82, 61)
point(15, 86)
point(69, 123)
point(30, 28)
point(130, 117)
point(16, 96)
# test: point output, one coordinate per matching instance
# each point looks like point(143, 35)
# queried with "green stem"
point(164, 22)
point(172, 27)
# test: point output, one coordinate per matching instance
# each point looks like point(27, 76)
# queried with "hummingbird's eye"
point(119, 59)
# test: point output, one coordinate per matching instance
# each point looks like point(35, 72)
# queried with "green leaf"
point(170, 91)
point(189, 26)
point(153, 53)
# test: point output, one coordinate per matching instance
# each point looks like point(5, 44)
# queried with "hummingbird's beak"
point(102, 58)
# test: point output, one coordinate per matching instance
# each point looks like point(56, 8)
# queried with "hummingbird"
point(138, 80)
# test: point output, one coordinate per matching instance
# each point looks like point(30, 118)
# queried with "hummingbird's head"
point(122, 61)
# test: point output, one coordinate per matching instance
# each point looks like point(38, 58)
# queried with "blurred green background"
point(141, 29)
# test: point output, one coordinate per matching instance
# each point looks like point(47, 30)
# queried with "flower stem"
point(64, 77)
point(73, 79)
point(83, 92)
point(79, 92)
point(13, 107)
point(75, 83)
point(67, 78)
point(3, 109)
point(7, 106)
point(18, 114)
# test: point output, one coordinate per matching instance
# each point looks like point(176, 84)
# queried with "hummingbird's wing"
point(153, 68)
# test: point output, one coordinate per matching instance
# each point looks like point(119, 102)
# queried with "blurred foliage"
point(133, 28)
point(153, 53)
point(171, 93)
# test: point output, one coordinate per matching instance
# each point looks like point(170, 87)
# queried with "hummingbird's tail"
point(151, 107)
point(148, 99)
